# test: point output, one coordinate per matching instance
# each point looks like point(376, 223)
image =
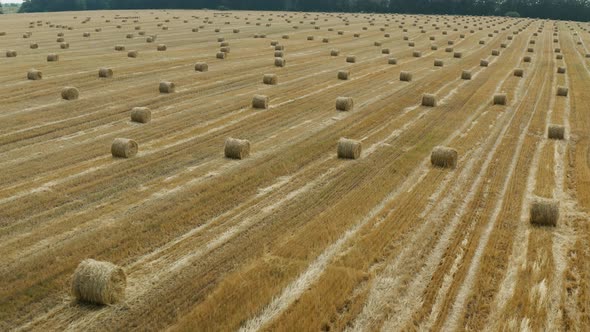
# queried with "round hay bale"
point(411, 44)
point(141, 114)
point(236, 148)
point(221, 55)
point(86, 34)
point(562, 91)
point(417, 54)
point(34, 46)
point(458, 55)
point(279, 47)
point(561, 70)
point(124, 148)
point(392, 61)
point(225, 49)
point(149, 39)
point(119, 48)
point(105, 72)
point(433, 47)
point(162, 47)
point(270, 79)
point(449, 49)
point(52, 57)
point(444, 157)
point(10, 53)
point(530, 50)
point(438, 63)
point(428, 100)
point(466, 75)
point(260, 102)
point(343, 74)
point(495, 52)
point(60, 40)
point(70, 93)
point(544, 212)
point(279, 54)
point(484, 63)
point(385, 51)
point(519, 72)
point(34, 74)
point(167, 87)
point(64, 46)
point(559, 56)
point(482, 42)
point(405, 76)
point(325, 40)
point(280, 62)
point(527, 59)
point(334, 53)
point(201, 66)
point(98, 282)
point(344, 104)
point(500, 99)
point(310, 38)
point(555, 132)
point(349, 149)
point(351, 59)
point(132, 54)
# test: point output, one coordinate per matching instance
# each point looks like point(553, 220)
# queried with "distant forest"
point(556, 9)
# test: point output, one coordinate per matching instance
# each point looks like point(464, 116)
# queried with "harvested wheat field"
point(276, 171)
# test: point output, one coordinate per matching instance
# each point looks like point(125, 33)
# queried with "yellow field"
point(292, 238)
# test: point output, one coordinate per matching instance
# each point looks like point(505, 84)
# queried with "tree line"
point(555, 9)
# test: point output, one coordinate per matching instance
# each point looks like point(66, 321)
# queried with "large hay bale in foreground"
point(70, 93)
point(260, 102)
point(167, 87)
point(34, 74)
point(141, 114)
point(562, 91)
point(544, 212)
point(236, 148)
point(98, 282)
point(270, 79)
point(349, 149)
point(444, 157)
point(405, 76)
point(500, 99)
point(344, 104)
point(124, 148)
point(428, 100)
point(201, 66)
point(555, 132)
point(105, 72)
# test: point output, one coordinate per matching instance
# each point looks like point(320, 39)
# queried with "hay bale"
point(167, 87)
point(34, 46)
point(500, 99)
point(466, 75)
point(225, 49)
point(351, 59)
point(417, 54)
point(132, 54)
point(34, 74)
point(334, 53)
point(519, 72)
point(527, 59)
point(562, 91)
point(344, 104)
point(149, 39)
point(495, 52)
point(105, 72)
point(559, 56)
point(236, 148)
point(349, 149)
point(162, 47)
point(98, 282)
point(86, 34)
point(544, 212)
point(279, 54)
point(64, 46)
point(201, 66)
point(260, 102)
point(343, 74)
point(392, 61)
point(484, 63)
point(70, 93)
point(428, 100)
point(10, 53)
point(270, 79)
point(280, 62)
point(405, 76)
point(124, 148)
point(438, 63)
point(561, 70)
point(119, 48)
point(221, 55)
point(52, 57)
point(555, 132)
point(444, 157)
point(141, 114)
point(530, 50)
point(385, 51)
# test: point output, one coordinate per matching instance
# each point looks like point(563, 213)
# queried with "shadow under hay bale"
point(124, 148)
point(98, 282)
point(444, 157)
point(349, 149)
point(544, 212)
point(236, 148)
